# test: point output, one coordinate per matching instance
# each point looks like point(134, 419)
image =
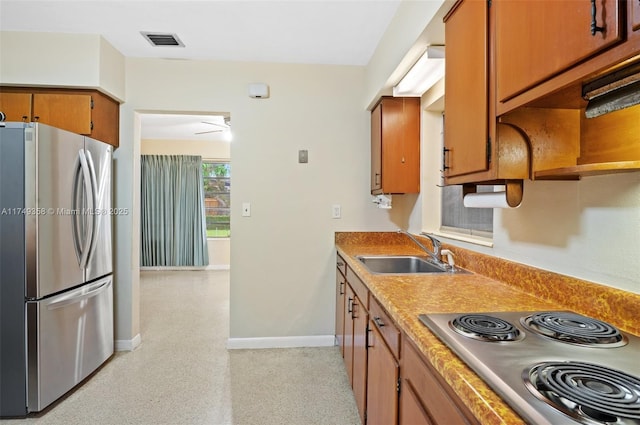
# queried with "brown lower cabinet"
point(392, 381)
point(383, 371)
point(351, 331)
point(425, 398)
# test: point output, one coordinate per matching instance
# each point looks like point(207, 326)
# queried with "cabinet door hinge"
point(489, 149)
point(91, 103)
point(398, 385)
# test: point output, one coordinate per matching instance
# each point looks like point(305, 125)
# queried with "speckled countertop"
point(494, 285)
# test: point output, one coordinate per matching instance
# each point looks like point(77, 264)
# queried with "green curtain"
point(173, 224)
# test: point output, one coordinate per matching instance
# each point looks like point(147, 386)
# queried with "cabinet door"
point(635, 15)
point(466, 126)
point(359, 385)
point(348, 332)
point(105, 118)
point(536, 40)
point(71, 112)
point(412, 412)
point(424, 396)
point(16, 106)
point(376, 149)
point(382, 385)
point(395, 146)
point(340, 309)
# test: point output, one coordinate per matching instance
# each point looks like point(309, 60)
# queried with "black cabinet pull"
point(350, 306)
point(341, 290)
point(445, 167)
point(594, 26)
point(378, 321)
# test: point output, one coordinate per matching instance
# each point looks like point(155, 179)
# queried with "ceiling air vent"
point(162, 39)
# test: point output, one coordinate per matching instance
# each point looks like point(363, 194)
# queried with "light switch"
point(246, 209)
point(303, 156)
point(336, 211)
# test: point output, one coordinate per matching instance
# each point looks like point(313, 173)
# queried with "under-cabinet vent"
point(162, 39)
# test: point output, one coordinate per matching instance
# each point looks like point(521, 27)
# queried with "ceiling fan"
point(226, 126)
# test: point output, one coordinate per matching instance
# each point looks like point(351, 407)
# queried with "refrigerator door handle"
point(86, 177)
point(93, 215)
point(79, 295)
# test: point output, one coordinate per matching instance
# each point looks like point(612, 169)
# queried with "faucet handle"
point(435, 242)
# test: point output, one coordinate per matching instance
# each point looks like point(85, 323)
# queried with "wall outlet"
point(246, 209)
point(336, 211)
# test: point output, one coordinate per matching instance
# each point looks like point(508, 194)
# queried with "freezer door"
point(68, 337)
point(99, 261)
point(51, 161)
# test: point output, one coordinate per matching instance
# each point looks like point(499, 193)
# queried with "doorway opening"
point(209, 136)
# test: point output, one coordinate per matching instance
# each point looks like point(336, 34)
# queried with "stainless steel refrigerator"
point(56, 285)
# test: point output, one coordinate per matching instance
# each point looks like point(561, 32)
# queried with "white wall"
point(61, 60)
point(589, 229)
point(219, 248)
point(283, 256)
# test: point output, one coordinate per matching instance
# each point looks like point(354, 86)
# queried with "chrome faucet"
point(437, 246)
point(435, 253)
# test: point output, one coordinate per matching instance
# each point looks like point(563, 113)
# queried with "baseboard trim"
point(281, 342)
point(127, 344)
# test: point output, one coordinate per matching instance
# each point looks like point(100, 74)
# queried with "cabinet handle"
point(341, 290)
point(354, 310)
point(594, 26)
point(378, 321)
point(369, 337)
point(445, 155)
point(340, 264)
point(350, 306)
point(377, 179)
point(36, 118)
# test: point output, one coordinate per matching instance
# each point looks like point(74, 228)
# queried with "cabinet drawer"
point(385, 325)
point(341, 265)
point(432, 394)
point(359, 287)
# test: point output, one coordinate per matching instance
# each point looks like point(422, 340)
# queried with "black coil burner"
point(485, 328)
point(574, 328)
point(589, 393)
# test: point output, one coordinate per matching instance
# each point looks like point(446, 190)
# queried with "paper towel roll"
point(486, 200)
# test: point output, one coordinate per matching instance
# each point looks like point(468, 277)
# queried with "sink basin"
point(400, 264)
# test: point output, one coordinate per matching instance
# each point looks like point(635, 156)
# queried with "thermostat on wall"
point(258, 90)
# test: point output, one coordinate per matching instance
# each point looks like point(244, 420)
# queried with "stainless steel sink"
point(401, 264)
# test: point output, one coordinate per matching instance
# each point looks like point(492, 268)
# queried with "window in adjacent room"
point(216, 177)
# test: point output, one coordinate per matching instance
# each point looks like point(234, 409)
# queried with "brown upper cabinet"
point(395, 146)
point(467, 145)
point(536, 40)
point(86, 112)
point(518, 75)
